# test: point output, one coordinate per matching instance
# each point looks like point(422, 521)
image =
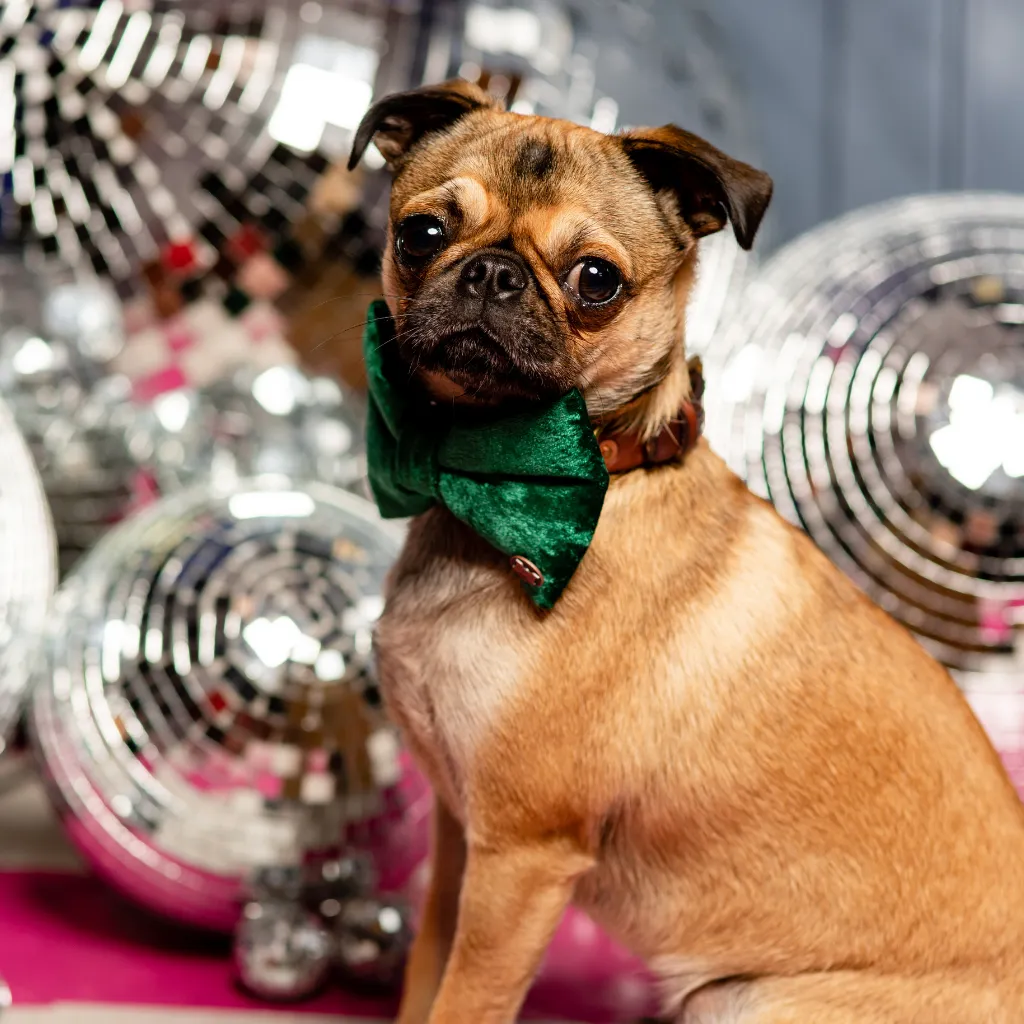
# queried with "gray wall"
point(855, 101)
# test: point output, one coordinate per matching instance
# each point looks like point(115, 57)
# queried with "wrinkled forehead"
point(508, 174)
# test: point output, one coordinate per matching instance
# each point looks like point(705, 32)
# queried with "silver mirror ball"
point(206, 708)
point(871, 385)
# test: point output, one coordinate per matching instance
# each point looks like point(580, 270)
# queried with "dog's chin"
point(471, 368)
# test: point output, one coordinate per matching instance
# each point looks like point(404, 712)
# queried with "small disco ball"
point(27, 566)
point(329, 884)
point(321, 885)
point(282, 951)
point(82, 454)
point(275, 422)
point(55, 326)
point(206, 706)
point(374, 934)
point(872, 387)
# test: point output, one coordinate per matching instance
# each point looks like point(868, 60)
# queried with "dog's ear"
point(709, 187)
point(397, 122)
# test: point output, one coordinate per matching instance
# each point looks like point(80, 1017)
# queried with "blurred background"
point(204, 814)
point(857, 102)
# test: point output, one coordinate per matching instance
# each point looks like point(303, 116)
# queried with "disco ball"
point(277, 422)
point(282, 951)
point(872, 387)
point(326, 885)
point(206, 709)
point(121, 111)
point(27, 566)
point(374, 935)
point(54, 328)
point(82, 455)
point(76, 434)
point(87, 314)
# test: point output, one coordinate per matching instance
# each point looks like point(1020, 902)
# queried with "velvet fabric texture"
point(530, 482)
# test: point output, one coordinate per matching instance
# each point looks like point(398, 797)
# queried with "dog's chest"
point(451, 647)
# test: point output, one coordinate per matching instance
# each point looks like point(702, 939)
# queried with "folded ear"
point(397, 122)
point(709, 187)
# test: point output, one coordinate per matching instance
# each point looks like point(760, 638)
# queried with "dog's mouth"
point(482, 369)
point(470, 353)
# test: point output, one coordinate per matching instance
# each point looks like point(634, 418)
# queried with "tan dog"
point(714, 744)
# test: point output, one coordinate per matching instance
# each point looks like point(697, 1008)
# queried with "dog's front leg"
point(513, 897)
point(436, 932)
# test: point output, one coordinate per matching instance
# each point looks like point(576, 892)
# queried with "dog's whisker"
point(397, 336)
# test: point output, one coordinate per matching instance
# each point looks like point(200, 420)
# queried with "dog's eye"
point(594, 281)
point(418, 238)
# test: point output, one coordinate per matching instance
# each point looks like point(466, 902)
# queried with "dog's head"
point(527, 256)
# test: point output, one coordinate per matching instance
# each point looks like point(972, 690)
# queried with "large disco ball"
point(27, 566)
point(872, 387)
point(205, 708)
point(252, 423)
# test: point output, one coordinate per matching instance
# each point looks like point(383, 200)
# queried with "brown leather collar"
point(624, 450)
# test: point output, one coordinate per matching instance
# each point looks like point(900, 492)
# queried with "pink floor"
point(67, 938)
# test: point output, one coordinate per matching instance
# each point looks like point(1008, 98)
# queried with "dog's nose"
point(494, 275)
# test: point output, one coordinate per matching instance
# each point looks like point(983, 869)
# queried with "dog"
point(713, 743)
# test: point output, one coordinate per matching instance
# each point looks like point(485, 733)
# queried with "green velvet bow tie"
point(532, 482)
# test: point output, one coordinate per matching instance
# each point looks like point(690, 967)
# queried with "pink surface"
point(65, 937)
point(68, 938)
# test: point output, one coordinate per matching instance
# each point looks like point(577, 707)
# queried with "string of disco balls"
point(871, 385)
